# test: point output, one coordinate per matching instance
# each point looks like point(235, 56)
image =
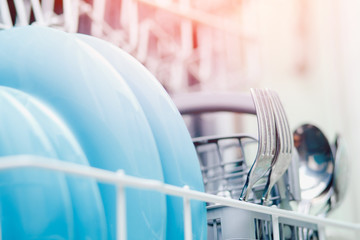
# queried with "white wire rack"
point(186, 44)
point(121, 180)
point(44, 13)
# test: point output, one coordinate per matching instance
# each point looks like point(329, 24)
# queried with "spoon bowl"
point(316, 161)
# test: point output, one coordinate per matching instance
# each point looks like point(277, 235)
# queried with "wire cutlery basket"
point(230, 223)
point(224, 167)
point(225, 162)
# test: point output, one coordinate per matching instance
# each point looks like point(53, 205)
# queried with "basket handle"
point(194, 103)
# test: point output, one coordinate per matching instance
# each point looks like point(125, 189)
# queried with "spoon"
point(315, 159)
point(316, 166)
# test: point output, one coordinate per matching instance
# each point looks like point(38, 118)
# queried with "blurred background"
point(306, 50)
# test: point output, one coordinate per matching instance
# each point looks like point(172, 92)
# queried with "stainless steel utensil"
point(203, 103)
point(283, 155)
point(267, 141)
point(336, 194)
point(316, 161)
point(316, 169)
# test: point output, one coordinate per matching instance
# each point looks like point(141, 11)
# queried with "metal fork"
point(283, 156)
point(267, 141)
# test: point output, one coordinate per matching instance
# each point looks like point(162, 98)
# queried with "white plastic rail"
point(121, 180)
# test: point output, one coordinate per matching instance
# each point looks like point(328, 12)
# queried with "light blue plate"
point(100, 110)
point(88, 210)
point(34, 204)
point(178, 156)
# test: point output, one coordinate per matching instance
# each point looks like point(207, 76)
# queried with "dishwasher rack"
point(225, 222)
point(224, 168)
point(276, 218)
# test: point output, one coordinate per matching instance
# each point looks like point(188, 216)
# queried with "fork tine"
point(261, 147)
point(279, 138)
point(279, 121)
point(267, 145)
point(259, 113)
point(263, 116)
point(270, 127)
point(289, 137)
point(283, 122)
point(283, 154)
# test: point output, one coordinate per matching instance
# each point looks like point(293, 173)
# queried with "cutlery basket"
point(224, 167)
point(231, 223)
point(225, 162)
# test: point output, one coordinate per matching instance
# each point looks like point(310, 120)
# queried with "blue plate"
point(178, 156)
point(100, 110)
point(34, 204)
point(88, 210)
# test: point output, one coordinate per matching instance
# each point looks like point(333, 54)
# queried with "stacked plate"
point(79, 99)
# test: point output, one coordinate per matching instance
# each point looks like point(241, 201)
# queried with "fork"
point(267, 141)
point(283, 155)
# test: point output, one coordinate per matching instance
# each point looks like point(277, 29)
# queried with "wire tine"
point(71, 15)
point(48, 8)
point(39, 16)
point(99, 7)
point(5, 13)
point(21, 12)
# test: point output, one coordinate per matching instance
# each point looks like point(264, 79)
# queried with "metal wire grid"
point(232, 223)
point(121, 180)
point(224, 167)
